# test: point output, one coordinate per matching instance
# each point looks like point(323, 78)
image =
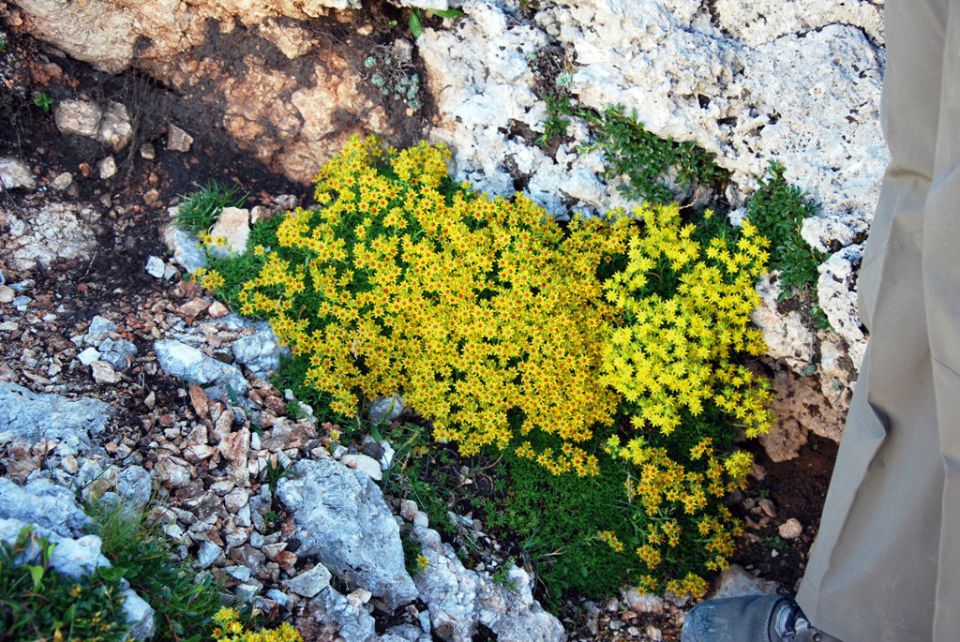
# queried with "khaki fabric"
point(886, 563)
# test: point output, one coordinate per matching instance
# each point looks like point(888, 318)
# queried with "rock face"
point(52, 512)
point(287, 91)
point(460, 599)
point(342, 519)
point(53, 231)
point(29, 417)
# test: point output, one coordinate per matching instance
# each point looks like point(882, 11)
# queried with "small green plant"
point(644, 160)
point(416, 18)
point(3, 42)
point(270, 520)
point(274, 473)
point(501, 576)
point(200, 209)
point(43, 100)
point(37, 603)
point(294, 411)
point(185, 603)
point(413, 557)
point(558, 110)
point(778, 209)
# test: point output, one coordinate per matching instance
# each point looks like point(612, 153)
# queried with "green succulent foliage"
point(184, 599)
point(43, 100)
point(37, 603)
point(200, 209)
point(778, 209)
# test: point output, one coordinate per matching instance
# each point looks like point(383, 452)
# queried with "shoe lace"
point(791, 617)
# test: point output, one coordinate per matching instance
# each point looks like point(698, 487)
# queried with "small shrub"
point(778, 210)
point(37, 603)
point(184, 603)
point(200, 209)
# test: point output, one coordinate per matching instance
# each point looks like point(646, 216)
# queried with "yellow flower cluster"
point(675, 352)
point(483, 313)
point(229, 629)
point(686, 304)
point(491, 320)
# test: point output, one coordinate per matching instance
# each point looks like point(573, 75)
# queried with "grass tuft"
point(185, 603)
point(200, 209)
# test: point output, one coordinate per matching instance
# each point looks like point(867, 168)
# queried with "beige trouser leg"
point(873, 572)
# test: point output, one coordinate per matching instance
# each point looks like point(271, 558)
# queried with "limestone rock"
point(459, 599)
point(786, 335)
point(16, 174)
point(800, 408)
point(762, 21)
point(53, 231)
point(736, 582)
point(311, 582)
point(334, 617)
point(43, 503)
point(234, 227)
point(29, 417)
point(111, 127)
point(187, 363)
point(185, 249)
point(177, 139)
point(155, 267)
point(837, 294)
point(259, 351)
point(341, 518)
point(78, 117)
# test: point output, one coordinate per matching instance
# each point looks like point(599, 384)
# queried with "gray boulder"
point(43, 503)
point(350, 622)
point(341, 518)
point(52, 512)
point(119, 353)
point(187, 363)
point(259, 351)
point(185, 249)
point(458, 599)
point(29, 417)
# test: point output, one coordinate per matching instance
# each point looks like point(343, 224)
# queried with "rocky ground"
point(160, 397)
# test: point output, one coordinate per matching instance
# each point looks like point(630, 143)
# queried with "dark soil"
point(797, 489)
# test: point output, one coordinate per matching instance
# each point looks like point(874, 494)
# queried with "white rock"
point(54, 231)
point(103, 372)
point(177, 139)
point(837, 294)
point(364, 463)
point(108, 167)
point(88, 356)
point(311, 582)
point(234, 226)
point(155, 267)
point(115, 129)
point(77, 117)
point(786, 335)
point(16, 174)
point(736, 582)
point(208, 554)
point(6, 294)
point(790, 529)
point(62, 182)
